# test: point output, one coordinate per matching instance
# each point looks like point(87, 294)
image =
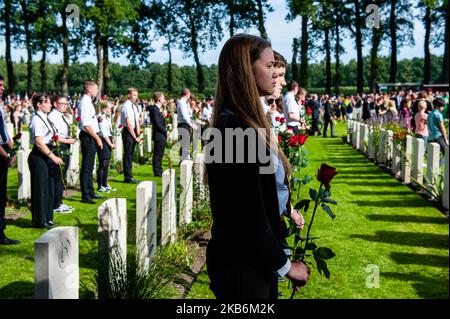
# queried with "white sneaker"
point(66, 207)
point(110, 188)
point(63, 209)
point(58, 210)
point(103, 190)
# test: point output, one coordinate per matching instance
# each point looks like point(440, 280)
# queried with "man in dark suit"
point(328, 117)
point(159, 131)
point(315, 108)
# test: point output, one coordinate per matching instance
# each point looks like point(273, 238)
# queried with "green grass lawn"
point(379, 222)
point(17, 262)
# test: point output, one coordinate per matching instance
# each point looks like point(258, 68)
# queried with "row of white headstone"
point(56, 252)
point(403, 166)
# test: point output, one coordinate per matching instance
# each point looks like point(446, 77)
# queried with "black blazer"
point(328, 110)
point(247, 227)
point(158, 124)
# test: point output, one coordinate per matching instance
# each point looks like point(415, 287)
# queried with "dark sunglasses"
point(270, 101)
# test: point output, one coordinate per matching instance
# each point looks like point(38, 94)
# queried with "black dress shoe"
point(97, 196)
point(88, 201)
point(8, 241)
point(131, 181)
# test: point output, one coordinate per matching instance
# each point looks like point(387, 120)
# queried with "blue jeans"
point(440, 140)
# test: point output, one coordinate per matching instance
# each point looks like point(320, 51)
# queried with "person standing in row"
point(90, 141)
point(104, 154)
point(159, 132)
point(436, 128)
point(328, 117)
point(291, 107)
point(43, 163)
point(186, 125)
point(5, 161)
point(130, 133)
point(63, 131)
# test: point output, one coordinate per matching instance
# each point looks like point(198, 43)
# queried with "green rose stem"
point(299, 173)
point(317, 202)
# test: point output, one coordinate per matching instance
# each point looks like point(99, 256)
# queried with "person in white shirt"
point(207, 112)
point(104, 155)
point(131, 133)
point(43, 163)
point(186, 125)
point(291, 107)
point(90, 141)
point(63, 130)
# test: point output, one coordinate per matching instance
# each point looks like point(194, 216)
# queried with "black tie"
point(2, 129)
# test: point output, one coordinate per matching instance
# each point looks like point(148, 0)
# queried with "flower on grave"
point(56, 138)
point(325, 174)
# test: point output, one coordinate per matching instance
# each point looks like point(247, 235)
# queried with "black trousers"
point(325, 126)
point(315, 126)
point(3, 192)
point(59, 187)
point(129, 145)
point(43, 175)
point(88, 151)
point(158, 153)
point(242, 282)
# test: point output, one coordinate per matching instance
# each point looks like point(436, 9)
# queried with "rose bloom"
point(78, 119)
point(282, 120)
point(277, 119)
point(56, 138)
point(17, 137)
point(325, 174)
point(120, 126)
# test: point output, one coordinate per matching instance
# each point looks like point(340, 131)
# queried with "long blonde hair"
point(237, 89)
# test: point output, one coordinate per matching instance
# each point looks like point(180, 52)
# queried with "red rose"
point(293, 141)
point(308, 111)
point(78, 119)
point(282, 120)
point(325, 174)
point(302, 139)
point(103, 97)
point(277, 119)
point(17, 137)
point(120, 126)
point(56, 138)
point(280, 138)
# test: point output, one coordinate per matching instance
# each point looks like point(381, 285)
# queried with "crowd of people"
point(251, 79)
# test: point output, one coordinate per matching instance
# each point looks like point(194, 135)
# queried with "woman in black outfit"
point(245, 252)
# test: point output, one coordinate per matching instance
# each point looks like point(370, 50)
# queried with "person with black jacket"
point(245, 252)
point(159, 132)
point(328, 117)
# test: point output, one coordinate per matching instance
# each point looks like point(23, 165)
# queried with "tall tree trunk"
point(231, 26)
point(106, 70)
point(169, 70)
point(445, 66)
point(98, 50)
point(304, 76)
point(294, 65)
point(261, 28)
point(327, 61)
point(194, 47)
point(393, 30)
point(43, 69)
point(374, 61)
point(337, 51)
point(9, 63)
point(26, 23)
point(359, 62)
point(427, 58)
point(65, 47)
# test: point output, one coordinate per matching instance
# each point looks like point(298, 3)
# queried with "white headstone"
point(148, 139)
point(186, 193)
point(174, 126)
point(445, 199)
point(433, 151)
point(146, 236)
point(112, 231)
point(199, 172)
point(10, 129)
point(361, 137)
point(354, 123)
point(406, 162)
point(56, 268)
point(371, 144)
point(24, 191)
point(118, 151)
point(389, 141)
point(396, 160)
point(73, 172)
point(169, 207)
point(382, 147)
point(417, 164)
point(365, 139)
point(25, 140)
point(349, 127)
